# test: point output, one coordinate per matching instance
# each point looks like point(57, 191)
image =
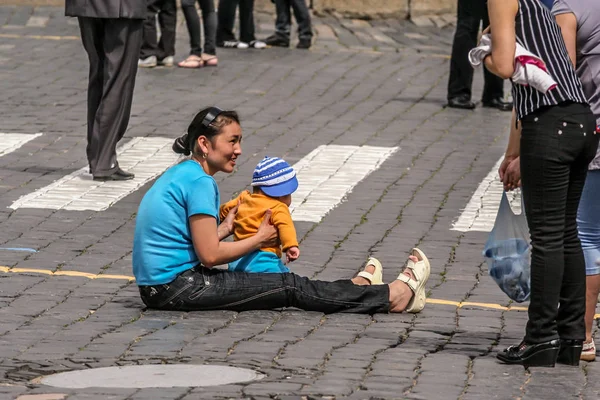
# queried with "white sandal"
point(376, 278)
point(420, 270)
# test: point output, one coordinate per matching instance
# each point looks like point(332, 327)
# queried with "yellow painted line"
point(458, 304)
point(66, 273)
point(74, 273)
point(461, 304)
point(35, 271)
point(124, 277)
point(444, 302)
point(42, 37)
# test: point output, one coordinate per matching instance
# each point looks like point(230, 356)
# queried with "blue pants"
point(588, 222)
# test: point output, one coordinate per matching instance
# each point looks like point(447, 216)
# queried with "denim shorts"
point(588, 222)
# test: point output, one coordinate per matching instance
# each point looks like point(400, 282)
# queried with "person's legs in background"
point(167, 20)
point(192, 21)
point(469, 16)
point(92, 32)
point(283, 24)
point(225, 23)
point(302, 16)
point(121, 44)
point(209, 19)
point(588, 223)
point(149, 50)
point(247, 30)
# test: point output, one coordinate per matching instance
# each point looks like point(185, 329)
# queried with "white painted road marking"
point(37, 21)
point(480, 213)
point(328, 173)
point(147, 157)
point(10, 142)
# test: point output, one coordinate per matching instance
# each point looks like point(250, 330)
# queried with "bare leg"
point(591, 299)
point(360, 281)
point(400, 293)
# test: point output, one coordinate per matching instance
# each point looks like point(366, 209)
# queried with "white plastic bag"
point(507, 252)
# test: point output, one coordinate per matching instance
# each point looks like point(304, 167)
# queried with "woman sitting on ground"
point(178, 241)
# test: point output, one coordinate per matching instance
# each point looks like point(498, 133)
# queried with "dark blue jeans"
point(209, 20)
point(557, 144)
point(283, 22)
point(167, 19)
point(212, 289)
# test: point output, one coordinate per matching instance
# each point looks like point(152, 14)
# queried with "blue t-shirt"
point(162, 244)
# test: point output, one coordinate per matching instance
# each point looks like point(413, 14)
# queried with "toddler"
point(273, 183)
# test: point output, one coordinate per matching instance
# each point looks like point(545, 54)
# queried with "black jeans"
point(212, 289)
point(557, 144)
point(470, 15)
point(226, 16)
point(209, 20)
point(167, 19)
point(283, 23)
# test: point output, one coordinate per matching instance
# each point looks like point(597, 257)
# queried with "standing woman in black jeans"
point(197, 57)
point(556, 142)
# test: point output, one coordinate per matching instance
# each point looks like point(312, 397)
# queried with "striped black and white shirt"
point(538, 32)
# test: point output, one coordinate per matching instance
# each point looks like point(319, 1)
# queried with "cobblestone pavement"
point(378, 83)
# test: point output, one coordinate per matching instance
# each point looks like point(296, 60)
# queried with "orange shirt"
point(251, 213)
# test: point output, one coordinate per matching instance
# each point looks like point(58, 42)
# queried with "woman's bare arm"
point(501, 61)
point(211, 251)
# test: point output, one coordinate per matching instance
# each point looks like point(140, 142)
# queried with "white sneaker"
point(589, 351)
point(167, 61)
point(234, 44)
point(258, 44)
point(149, 62)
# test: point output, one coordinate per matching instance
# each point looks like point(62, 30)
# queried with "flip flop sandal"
point(210, 60)
point(191, 62)
point(421, 270)
point(376, 278)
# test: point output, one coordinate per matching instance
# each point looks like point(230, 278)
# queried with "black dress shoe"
point(570, 352)
point(499, 104)
point(531, 355)
point(461, 102)
point(304, 44)
point(118, 175)
point(277, 41)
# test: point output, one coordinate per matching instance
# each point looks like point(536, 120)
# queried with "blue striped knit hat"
point(275, 177)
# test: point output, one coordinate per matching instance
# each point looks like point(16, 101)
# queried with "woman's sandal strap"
point(412, 284)
point(367, 275)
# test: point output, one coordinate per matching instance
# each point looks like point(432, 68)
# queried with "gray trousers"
point(283, 22)
point(113, 48)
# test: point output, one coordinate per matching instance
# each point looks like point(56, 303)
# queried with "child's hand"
point(292, 254)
